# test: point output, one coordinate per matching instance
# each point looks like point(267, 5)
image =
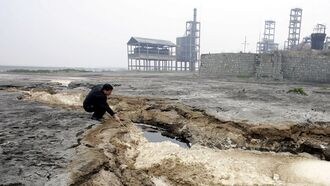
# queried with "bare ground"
point(242, 132)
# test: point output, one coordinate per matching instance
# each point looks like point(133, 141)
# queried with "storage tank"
point(318, 41)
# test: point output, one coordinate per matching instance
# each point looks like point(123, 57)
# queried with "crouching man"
point(96, 101)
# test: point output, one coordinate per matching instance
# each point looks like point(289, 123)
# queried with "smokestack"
point(195, 14)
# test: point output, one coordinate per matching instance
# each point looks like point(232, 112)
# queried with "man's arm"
point(102, 102)
point(111, 112)
point(108, 109)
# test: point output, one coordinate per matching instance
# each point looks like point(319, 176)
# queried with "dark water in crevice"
point(154, 134)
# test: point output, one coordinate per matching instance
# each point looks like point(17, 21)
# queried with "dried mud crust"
point(118, 146)
point(197, 127)
point(108, 153)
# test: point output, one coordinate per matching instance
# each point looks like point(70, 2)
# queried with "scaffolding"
point(320, 29)
point(150, 54)
point(267, 44)
point(294, 28)
point(188, 46)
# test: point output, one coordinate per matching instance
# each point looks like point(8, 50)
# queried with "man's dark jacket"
point(97, 99)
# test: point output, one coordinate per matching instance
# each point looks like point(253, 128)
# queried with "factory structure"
point(145, 54)
point(267, 44)
point(316, 41)
point(306, 59)
point(188, 46)
point(294, 29)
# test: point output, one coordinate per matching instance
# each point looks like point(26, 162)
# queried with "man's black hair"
point(107, 87)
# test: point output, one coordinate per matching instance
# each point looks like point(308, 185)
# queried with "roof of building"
point(147, 41)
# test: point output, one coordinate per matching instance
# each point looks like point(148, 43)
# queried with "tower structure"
point(188, 46)
point(267, 44)
point(294, 28)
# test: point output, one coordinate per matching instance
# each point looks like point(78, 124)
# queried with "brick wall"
point(228, 64)
point(297, 66)
point(269, 66)
point(306, 67)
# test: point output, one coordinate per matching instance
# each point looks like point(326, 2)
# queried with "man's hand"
point(116, 118)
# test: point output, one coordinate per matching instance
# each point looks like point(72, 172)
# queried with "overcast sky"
point(94, 33)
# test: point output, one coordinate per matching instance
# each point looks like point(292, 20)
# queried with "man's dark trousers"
point(98, 111)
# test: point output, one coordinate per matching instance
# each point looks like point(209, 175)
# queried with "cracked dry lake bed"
point(259, 136)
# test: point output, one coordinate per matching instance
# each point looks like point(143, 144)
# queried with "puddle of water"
point(155, 135)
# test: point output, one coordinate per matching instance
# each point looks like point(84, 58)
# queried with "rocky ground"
point(242, 131)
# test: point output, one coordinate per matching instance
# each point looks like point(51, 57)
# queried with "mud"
point(245, 150)
point(36, 140)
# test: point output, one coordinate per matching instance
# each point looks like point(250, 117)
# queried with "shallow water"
point(156, 135)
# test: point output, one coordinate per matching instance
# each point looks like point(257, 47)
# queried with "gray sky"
point(94, 33)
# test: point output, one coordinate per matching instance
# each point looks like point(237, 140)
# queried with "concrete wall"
point(269, 66)
point(297, 66)
point(228, 64)
point(306, 67)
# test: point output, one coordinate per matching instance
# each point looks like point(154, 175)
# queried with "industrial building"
point(188, 46)
point(160, 55)
point(146, 54)
point(150, 54)
point(318, 37)
point(307, 61)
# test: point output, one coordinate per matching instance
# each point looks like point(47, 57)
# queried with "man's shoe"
point(95, 118)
